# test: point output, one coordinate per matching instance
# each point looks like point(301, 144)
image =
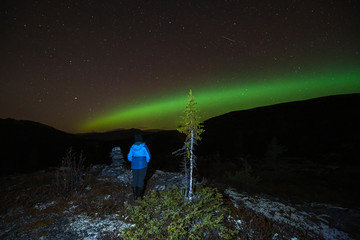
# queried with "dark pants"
point(138, 177)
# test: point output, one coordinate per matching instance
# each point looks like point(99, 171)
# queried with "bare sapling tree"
point(72, 176)
point(191, 127)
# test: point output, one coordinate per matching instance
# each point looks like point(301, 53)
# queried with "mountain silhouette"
point(321, 128)
point(325, 129)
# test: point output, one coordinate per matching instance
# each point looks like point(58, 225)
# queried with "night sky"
point(83, 66)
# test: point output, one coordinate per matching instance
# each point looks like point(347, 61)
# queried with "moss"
point(166, 215)
point(37, 224)
point(103, 199)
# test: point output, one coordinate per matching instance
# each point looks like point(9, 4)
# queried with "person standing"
point(139, 156)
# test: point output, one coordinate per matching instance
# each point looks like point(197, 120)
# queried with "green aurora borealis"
point(104, 65)
point(164, 112)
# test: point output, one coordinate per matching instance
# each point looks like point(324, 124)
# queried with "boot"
point(140, 191)
point(135, 193)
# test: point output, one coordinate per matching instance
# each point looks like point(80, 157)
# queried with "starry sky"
point(82, 66)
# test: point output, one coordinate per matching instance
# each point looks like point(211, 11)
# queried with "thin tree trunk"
point(186, 183)
point(191, 164)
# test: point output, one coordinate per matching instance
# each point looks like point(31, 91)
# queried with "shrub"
point(274, 149)
point(72, 176)
point(242, 178)
point(166, 215)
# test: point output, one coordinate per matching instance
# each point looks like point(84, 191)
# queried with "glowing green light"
point(164, 112)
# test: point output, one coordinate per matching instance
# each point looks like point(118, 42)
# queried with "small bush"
point(274, 149)
point(242, 178)
point(166, 215)
point(72, 176)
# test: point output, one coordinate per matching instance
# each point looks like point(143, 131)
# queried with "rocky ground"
point(31, 208)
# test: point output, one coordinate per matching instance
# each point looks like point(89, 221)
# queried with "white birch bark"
point(191, 164)
point(186, 178)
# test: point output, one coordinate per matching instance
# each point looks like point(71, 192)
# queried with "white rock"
point(282, 213)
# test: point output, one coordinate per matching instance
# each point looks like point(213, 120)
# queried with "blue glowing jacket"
point(139, 155)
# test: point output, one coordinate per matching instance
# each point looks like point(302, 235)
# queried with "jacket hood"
point(138, 145)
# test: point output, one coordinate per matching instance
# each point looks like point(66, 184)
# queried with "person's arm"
point(130, 155)
point(147, 154)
